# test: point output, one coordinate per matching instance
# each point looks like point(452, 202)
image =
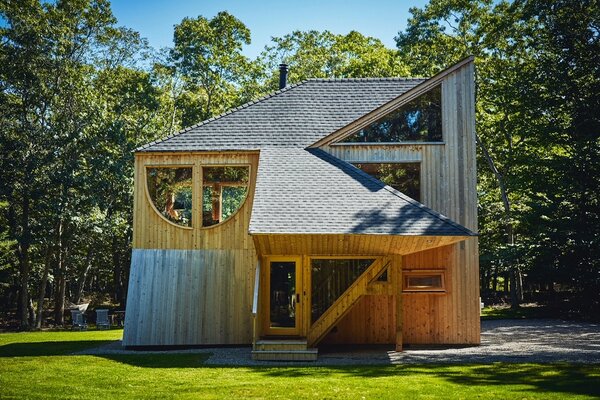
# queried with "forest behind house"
point(79, 92)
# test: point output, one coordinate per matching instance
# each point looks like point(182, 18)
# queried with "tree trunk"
point(31, 312)
point(42, 292)
point(24, 265)
point(60, 286)
point(495, 281)
point(118, 288)
point(510, 237)
point(59, 300)
point(83, 275)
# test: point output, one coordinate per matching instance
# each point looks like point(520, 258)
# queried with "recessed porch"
point(303, 296)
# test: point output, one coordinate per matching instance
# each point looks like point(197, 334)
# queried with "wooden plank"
point(397, 281)
point(373, 245)
point(343, 304)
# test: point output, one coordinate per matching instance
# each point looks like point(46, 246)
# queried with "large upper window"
point(404, 177)
point(223, 192)
point(419, 120)
point(170, 190)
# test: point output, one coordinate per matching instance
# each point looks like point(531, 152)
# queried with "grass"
point(525, 311)
point(40, 366)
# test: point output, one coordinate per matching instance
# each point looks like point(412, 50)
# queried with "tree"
point(314, 54)
point(207, 54)
point(561, 115)
point(72, 110)
point(537, 95)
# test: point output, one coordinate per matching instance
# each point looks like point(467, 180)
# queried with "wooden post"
point(397, 264)
point(216, 202)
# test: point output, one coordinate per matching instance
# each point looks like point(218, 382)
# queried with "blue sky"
point(383, 19)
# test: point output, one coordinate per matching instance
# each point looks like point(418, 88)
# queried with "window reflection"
point(419, 120)
point(404, 177)
point(170, 190)
point(223, 192)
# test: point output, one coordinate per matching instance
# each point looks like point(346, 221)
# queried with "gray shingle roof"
point(296, 116)
point(306, 191)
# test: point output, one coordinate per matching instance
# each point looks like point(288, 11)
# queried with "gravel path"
point(540, 341)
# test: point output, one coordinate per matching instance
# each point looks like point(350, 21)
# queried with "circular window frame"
point(149, 199)
point(242, 204)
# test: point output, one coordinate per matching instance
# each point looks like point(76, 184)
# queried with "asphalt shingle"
point(308, 191)
point(297, 116)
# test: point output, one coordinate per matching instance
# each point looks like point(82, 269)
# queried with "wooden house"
point(337, 211)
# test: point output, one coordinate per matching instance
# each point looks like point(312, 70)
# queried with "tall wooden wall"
point(194, 285)
point(190, 285)
point(448, 185)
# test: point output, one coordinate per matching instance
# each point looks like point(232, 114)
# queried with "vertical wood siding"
point(190, 286)
point(448, 185)
point(194, 286)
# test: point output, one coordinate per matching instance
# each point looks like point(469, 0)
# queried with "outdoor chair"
point(78, 320)
point(102, 321)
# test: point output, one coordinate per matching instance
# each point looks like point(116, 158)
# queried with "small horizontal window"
point(423, 281)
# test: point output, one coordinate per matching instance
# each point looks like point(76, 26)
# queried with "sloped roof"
point(308, 191)
point(296, 116)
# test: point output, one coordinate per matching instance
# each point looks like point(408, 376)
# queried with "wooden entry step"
point(283, 350)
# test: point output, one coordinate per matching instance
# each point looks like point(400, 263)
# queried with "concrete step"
point(278, 345)
point(285, 355)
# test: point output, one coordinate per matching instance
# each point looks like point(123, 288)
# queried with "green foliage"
point(314, 54)
point(73, 109)
point(208, 55)
point(538, 112)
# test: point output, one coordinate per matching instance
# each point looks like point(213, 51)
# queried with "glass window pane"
point(330, 278)
point(282, 305)
point(224, 190)
point(170, 190)
point(404, 177)
point(423, 282)
point(420, 120)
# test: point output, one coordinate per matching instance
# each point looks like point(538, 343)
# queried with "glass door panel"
point(282, 310)
point(283, 293)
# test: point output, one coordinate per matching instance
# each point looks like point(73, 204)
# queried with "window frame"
point(419, 162)
point(407, 273)
point(441, 85)
point(151, 202)
point(308, 266)
point(197, 187)
point(201, 191)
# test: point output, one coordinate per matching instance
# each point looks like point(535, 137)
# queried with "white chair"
point(102, 321)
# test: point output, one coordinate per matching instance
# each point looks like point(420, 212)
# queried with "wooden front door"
point(282, 308)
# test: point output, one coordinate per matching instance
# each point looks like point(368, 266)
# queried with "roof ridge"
point(393, 191)
point(228, 112)
point(371, 79)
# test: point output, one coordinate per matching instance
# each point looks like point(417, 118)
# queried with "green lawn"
point(39, 366)
point(526, 311)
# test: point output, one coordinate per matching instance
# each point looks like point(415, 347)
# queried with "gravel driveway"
point(536, 340)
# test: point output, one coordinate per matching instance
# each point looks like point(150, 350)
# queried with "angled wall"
point(190, 285)
point(448, 185)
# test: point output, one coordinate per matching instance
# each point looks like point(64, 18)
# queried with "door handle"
point(297, 298)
